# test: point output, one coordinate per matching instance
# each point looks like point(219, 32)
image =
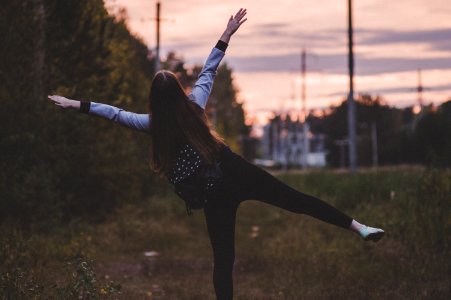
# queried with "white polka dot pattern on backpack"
point(187, 162)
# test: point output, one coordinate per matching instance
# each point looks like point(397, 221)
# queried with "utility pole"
point(351, 102)
point(374, 143)
point(420, 90)
point(305, 146)
point(157, 57)
point(303, 71)
point(342, 147)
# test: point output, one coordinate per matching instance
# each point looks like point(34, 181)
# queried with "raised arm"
point(202, 88)
point(139, 122)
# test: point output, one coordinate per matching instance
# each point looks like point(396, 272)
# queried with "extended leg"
point(260, 185)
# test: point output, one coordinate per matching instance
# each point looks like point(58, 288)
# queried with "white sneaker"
point(371, 234)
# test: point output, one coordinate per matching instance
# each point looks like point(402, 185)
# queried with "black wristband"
point(221, 45)
point(85, 106)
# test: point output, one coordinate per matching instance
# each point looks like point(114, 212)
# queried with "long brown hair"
point(176, 120)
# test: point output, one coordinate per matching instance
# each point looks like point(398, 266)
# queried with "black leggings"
point(242, 181)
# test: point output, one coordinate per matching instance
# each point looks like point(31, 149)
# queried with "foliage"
point(432, 214)
point(402, 136)
point(279, 255)
point(84, 285)
point(224, 110)
point(369, 110)
point(433, 136)
point(57, 165)
point(25, 260)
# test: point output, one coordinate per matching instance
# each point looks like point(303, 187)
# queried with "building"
point(291, 144)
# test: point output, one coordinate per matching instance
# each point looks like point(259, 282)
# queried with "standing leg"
point(220, 217)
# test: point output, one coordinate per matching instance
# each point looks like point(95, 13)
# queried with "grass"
point(280, 255)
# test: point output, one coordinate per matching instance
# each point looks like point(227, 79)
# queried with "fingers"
point(56, 99)
point(240, 14)
point(51, 97)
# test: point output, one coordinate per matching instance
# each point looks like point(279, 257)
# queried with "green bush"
point(430, 212)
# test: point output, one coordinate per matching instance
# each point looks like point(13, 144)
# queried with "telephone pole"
point(374, 143)
point(158, 20)
point(420, 90)
point(305, 144)
point(351, 103)
point(157, 49)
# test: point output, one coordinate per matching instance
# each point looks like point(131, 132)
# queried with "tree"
point(223, 109)
point(433, 136)
point(58, 164)
point(226, 113)
point(393, 131)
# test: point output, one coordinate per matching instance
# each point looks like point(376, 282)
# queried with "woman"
point(182, 142)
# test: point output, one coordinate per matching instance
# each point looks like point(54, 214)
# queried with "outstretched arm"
point(202, 89)
point(139, 122)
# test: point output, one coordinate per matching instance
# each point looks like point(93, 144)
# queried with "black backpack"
point(199, 188)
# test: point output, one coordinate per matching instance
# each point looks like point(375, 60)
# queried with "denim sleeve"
point(140, 122)
point(202, 88)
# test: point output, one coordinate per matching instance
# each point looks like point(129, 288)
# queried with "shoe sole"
point(375, 237)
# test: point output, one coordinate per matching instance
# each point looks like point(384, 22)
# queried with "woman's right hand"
point(63, 102)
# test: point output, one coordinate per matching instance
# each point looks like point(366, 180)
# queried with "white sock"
point(356, 226)
point(366, 232)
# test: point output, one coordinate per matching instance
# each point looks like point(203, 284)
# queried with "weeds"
point(291, 257)
point(23, 277)
point(84, 284)
point(428, 212)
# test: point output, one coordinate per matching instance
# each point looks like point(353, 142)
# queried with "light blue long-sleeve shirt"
point(199, 94)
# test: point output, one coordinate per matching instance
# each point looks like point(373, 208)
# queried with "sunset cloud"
point(392, 41)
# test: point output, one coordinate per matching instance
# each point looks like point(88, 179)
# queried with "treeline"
point(56, 164)
point(402, 136)
point(224, 109)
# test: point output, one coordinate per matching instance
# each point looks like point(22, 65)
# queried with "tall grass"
point(280, 255)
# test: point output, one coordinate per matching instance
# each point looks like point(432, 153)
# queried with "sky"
point(393, 39)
